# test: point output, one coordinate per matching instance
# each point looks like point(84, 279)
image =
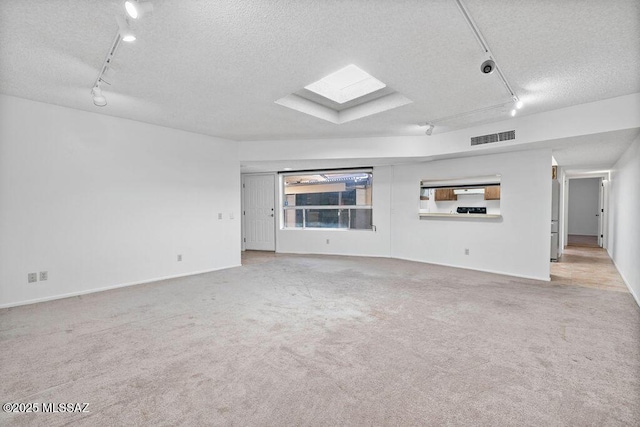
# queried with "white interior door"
point(259, 212)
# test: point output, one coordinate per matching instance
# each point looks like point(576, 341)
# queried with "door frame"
point(275, 207)
point(601, 212)
point(603, 202)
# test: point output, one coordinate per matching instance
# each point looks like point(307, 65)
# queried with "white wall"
point(346, 242)
point(518, 244)
point(99, 201)
point(584, 195)
point(624, 228)
point(602, 116)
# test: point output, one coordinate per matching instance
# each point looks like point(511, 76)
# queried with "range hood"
point(462, 191)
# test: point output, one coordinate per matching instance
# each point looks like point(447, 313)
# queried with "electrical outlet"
point(180, 257)
point(32, 277)
point(327, 241)
point(220, 215)
point(44, 275)
point(466, 251)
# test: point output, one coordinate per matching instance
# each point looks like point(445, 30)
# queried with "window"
point(335, 199)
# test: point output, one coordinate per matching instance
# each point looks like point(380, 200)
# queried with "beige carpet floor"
point(328, 340)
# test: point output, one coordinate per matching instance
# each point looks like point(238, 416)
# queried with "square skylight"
point(346, 84)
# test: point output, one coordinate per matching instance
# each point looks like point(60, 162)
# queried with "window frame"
point(303, 208)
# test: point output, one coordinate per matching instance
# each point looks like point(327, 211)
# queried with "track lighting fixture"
point(429, 126)
point(490, 65)
point(517, 104)
point(429, 130)
point(126, 33)
point(98, 98)
point(135, 9)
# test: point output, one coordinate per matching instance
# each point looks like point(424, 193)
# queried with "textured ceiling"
point(600, 150)
point(216, 67)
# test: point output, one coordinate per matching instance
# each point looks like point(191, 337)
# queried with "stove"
point(463, 210)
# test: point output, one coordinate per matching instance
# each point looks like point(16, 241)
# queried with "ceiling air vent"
point(493, 137)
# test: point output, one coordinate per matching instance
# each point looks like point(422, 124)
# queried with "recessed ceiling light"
point(286, 169)
point(519, 104)
point(513, 112)
point(346, 84)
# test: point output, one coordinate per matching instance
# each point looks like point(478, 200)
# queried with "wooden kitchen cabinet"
point(492, 192)
point(445, 194)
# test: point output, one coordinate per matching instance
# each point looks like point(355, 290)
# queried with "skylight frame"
point(346, 84)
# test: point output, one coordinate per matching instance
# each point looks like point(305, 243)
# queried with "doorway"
point(259, 222)
point(585, 212)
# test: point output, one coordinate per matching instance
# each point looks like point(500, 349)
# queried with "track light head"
point(98, 98)
point(429, 130)
point(126, 33)
point(488, 66)
point(136, 9)
point(519, 104)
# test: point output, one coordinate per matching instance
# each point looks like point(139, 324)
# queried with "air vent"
point(493, 137)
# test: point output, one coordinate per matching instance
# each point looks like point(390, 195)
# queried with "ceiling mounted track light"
point(490, 65)
point(126, 33)
point(136, 9)
point(429, 130)
point(517, 104)
point(98, 98)
point(429, 126)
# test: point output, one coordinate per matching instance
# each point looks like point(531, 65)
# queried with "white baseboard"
point(107, 288)
point(332, 254)
point(624, 279)
point(502, 273)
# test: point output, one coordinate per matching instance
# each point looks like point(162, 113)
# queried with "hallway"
point(582, 240)
point(588, 267)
